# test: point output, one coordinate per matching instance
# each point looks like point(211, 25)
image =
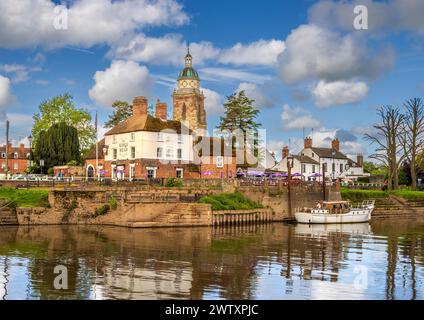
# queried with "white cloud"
point(262, 94)
point(169, 49)
point(327, 94)
point(218, 74)
point(314, 53)
point(5, 91)
point(27, 23)
point(297, 118)
point(123, 80)
point(387, 16)
point(19, 72)
point(261, 52)
point(214, 102)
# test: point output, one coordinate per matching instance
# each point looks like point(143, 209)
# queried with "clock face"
point(192, 84)
point(184, 84)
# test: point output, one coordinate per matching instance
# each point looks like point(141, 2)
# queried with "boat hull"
point(326, 218)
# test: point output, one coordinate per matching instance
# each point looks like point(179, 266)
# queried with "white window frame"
point(115, 154)
point(132, 136)
point(132, 155)
point(179, 170)
point(220, 162)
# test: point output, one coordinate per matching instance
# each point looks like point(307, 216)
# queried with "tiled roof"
point(92, 153)
point(305, 159)
point(146, 123)
point(22, 153)
point(328, 153)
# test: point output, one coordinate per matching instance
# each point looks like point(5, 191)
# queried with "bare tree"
point(388, 144)
point(413, 135)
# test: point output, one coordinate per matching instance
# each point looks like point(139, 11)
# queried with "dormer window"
point(3, 155)
point(313, 155)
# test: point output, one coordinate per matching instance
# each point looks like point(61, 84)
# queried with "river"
point(381, 260)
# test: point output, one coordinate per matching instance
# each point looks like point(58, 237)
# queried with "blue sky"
point(303, 61)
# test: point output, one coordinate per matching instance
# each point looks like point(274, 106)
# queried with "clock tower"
point(188, 100)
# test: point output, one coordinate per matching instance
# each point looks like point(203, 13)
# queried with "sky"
point(310, 71)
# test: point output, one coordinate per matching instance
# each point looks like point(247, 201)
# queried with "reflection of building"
point(18, 158)
point(145, 146)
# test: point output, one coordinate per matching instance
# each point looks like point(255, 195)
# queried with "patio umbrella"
point(315, 175)
point(297, 174)
point(207, 173)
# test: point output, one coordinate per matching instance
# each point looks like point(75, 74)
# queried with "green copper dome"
point(189, 72)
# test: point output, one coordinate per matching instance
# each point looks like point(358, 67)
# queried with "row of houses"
point(147, 146)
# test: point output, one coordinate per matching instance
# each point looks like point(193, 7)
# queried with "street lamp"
point(290, 164)
point(41, 165)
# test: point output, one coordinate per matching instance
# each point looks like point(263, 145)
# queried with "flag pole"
point(97, 153)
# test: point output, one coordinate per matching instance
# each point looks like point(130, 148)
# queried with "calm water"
point(383, 260)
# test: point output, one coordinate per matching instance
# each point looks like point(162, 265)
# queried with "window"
point(15, 166)
point(151, 173)
point(159, 153)
point(132, 152)
point(313, 168)
point(220, 162)
point(313, 155)
point(115, 154)
point(341, 168)
point(169, 153)
point(180, 139)
point(179, 173)
point(16, 155)
point(114, 138)
point(132, 136)
point(132, 171)
point(180, 153)
point(160, 136)
point(333, 167)
point(303, 168)
point(325, 167)
point(3, 155)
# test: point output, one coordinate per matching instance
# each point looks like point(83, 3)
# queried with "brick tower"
point(188, 100)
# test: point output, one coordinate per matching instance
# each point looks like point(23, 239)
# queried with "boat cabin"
point(332, 207)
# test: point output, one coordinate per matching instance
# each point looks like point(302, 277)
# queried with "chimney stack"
point(22, 149)
point(335, 144)
point(360, 160)
point(308, 142)
point(285, 152)
point(140, 106)
point(161, 110)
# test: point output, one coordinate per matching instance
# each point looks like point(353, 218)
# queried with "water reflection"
point(256, 262)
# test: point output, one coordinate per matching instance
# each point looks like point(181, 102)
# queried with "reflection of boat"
point(336, 212)
point(324, 229)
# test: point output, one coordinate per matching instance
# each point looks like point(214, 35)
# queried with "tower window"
point(184, 112)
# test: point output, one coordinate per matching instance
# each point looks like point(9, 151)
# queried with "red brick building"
point(18, 159)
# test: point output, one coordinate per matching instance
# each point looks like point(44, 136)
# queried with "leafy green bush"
point(174, 183)
point(409, 194)
point(359, 195)
point(26, 198)
point(50, 172)
point(102, 210)
point(230, 201)
point(113, 203)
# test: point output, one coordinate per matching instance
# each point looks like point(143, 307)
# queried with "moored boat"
point(336, 212)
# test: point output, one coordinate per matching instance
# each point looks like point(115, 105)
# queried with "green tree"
point(61, 109)
point(241, 115)
point(122, 110)
point(59, 145)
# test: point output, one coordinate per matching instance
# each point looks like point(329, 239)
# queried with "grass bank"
point(25, 198)
point(408, 194)
point(230, 201)
point(359, 195)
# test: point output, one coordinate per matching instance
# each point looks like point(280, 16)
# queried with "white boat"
point(336, 212)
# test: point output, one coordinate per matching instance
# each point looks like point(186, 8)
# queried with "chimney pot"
point(335, 144)
point(161, 110)
point(308, 142)
point(140, 106)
